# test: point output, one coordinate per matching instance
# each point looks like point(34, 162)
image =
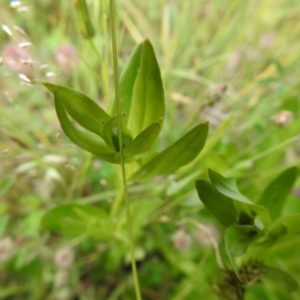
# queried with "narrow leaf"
point(85, 24)
point(85, 140)
point(127, 80)
point(221, 207)
point(147, 104)
point(275, 194)
point(81, 108)
point(179, 154)
point(143, 141)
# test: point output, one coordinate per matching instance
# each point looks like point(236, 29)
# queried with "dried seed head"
point(283, 118)
point(64, 258)
point(60, 278)
point(181, 240)
point(7, 247)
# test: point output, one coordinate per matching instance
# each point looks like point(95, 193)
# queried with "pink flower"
point(66, 57)
point(17, 59)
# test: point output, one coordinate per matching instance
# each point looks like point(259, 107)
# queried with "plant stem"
point(125, 192)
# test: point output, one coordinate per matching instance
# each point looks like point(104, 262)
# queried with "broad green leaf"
point(81, 108)
point(281, 280)
point(179, 154)
point(228, 187)
point(74, 220)
point(85, 140)
point(288, 224)
point(143, 141)
point(6, 183)
point(147, 104)
point(85, 24)
point(221, 207)
point(275, 194)
point(127, 80)
point(237, 240)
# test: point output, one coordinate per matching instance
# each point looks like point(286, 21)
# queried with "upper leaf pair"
point(143, 107)
point(143, 102)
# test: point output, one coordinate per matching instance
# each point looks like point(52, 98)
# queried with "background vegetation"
point(234, 64)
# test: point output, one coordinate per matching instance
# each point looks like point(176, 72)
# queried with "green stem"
point(125, 192)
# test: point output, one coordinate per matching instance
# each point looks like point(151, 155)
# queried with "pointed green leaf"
point(275, 194)
point(81, 108)
point(108, 135)
point(127, 80)
point(288, 224)
point(237, 240)
point(85, 140)
point(179, 154)
point(228, 187)
point(143, 141)
point(85, 24)
point(147, 104)
point(281, 280)
point(221, 207)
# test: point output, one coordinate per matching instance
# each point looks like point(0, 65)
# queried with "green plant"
point(252, 230)
point(139, 101)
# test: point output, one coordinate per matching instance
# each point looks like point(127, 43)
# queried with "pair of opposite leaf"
point(246, 222)
point(143, 108)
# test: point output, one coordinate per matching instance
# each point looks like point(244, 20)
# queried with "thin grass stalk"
point(124, 181)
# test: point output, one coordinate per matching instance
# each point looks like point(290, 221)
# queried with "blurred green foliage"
point(232, 64)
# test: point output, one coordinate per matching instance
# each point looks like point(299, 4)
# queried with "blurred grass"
point(248, 47)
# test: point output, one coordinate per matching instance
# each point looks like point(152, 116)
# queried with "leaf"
point(85, 23)
point(237, 240)
point(179, 154)
point(221, 207)
point(147, 103)
point(110, 134)
point(228, 187)
point(275, 194)
point(281, 279)
point(288, 224)
point(107, 133)
point(127, 80)
point(74, 220)
point(85, 140)
point(6, 183)
point(81, 108)
point(144, 141)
